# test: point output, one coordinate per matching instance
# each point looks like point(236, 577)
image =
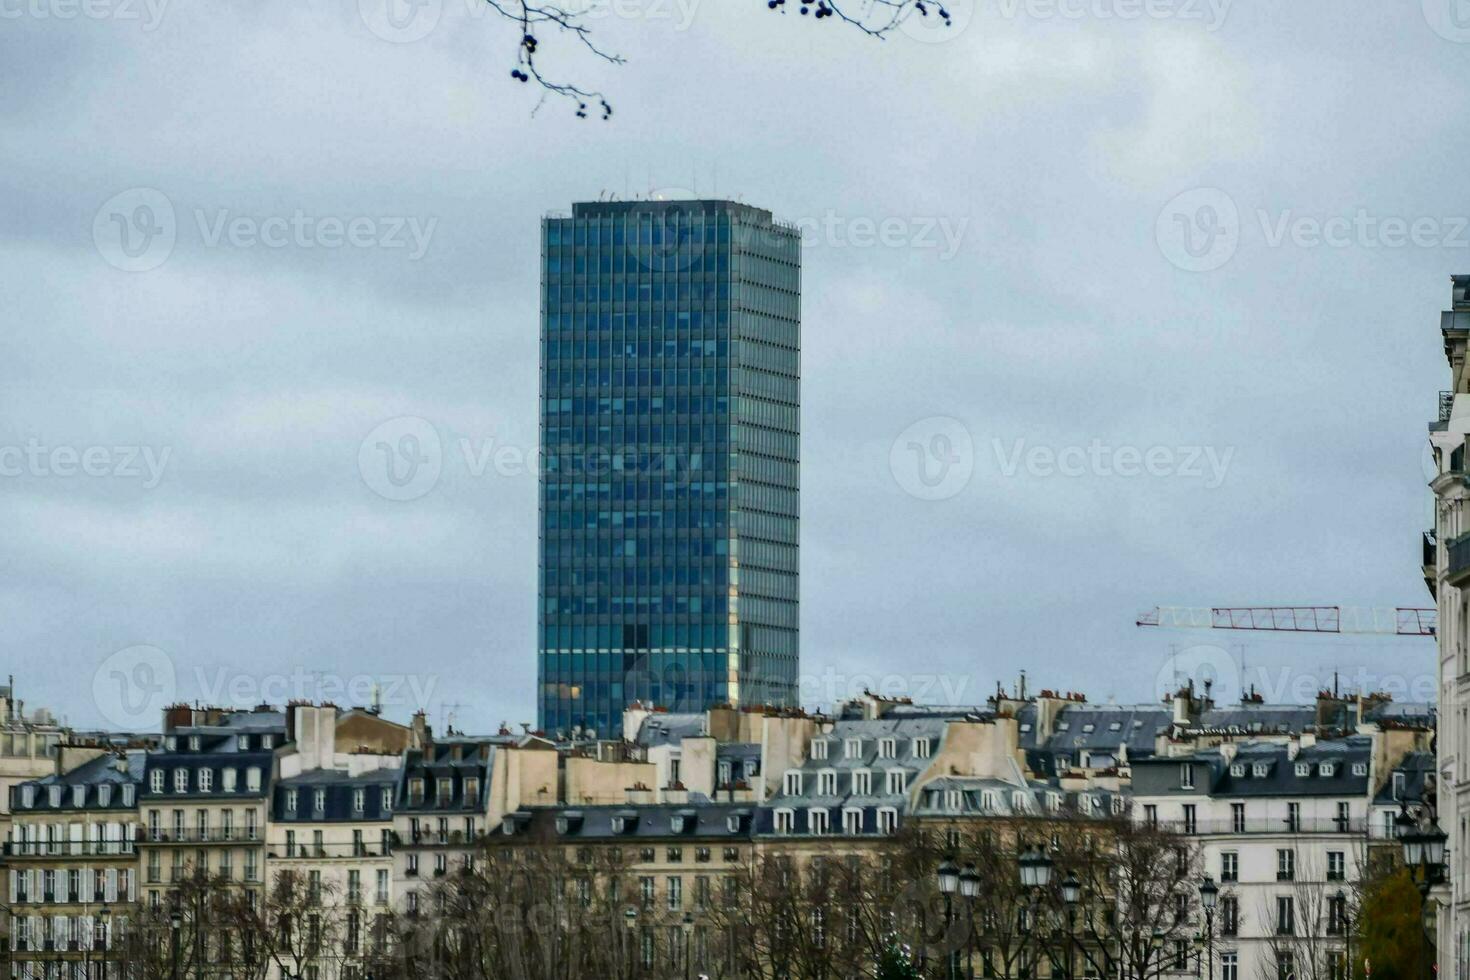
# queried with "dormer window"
point(387, 800)
point(792, 783)
point(79, 796)
point(415, 791)
point(1025, 727)
point(242, 743)
point(1115, 726)
point(816, 821)
point(1054, 802)
point(104, 795)
point(897, 781)
point(1260, 770)
point(359, 800)
point(508, 825)
point(1020, 802)
point(181, 780)
point(853, 748)
point(252, 780)
point(155, 781)
point(1089, 728)
point(1327, 769)
point(725, 772)
point(171, 743)
point(319, 801)
point(445, 792)
point(1303, 769)
point(1238, 770)
point(1360, 768)
point(229, 777)
point(676, 823)
point(922, 748)
point(267, 741)
point(827, 782)
point(1064, 726)
point(887, 748)
point(193, 743)
point(127, 794)
point(1186, 776)
point(862, 782)
point(53, 795)
point(819, 748)
point(733, 823)
point(785, 821)
point(954, 800)
point(206, 780)
point(619, 825)
point(28, 796)
point(291, 801)
point(471, 789)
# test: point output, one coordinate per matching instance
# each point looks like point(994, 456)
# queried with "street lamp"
point(1424, 857)
point(105, 914)
point(1345, 922)
point(630, 922)
point(949, 883)
point(688, 924)
point(1209, 897)
point(970, 890)
point(174, 922)
point(1035, 873)
point(1071, 895)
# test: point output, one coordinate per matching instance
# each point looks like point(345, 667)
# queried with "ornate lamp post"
point(1209, 897)
point(1072, 896)
point(175, 921)
point(1424, 857)
point(970, 891)
point(1036, 867)
point(949, 882)
point(688, 925)
point(630, 930)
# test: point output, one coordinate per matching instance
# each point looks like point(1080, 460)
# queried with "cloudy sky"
point(1107, 305)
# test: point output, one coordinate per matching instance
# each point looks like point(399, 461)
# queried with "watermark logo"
point(1211, 13)
point(1450, 19)
point(148, 12)
point(401, 21)
point(132, 686)
point(933, 459)
point(135, 230)
point(935, 23)
point(401, 459)
point(1199, 230)
point(677, 242)
point(1206, 463)
point(301, 230)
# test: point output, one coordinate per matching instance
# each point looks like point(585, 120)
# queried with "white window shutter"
point(111, 884)
point(87, 885)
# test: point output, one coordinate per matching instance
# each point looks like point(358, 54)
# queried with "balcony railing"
point(1279, 825)
point(1446, 404)
point(339, 850)
point(1458, 551)
point(204, 835)
point(68, 848)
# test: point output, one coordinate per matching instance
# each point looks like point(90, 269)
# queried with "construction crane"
point(1389, 621)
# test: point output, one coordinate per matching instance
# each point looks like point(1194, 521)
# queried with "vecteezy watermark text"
point(34, 458)
point(1207, 463)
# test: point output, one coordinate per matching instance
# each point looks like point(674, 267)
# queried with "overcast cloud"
point(995, 274)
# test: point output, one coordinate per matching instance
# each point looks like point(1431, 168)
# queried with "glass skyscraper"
point(670, 438)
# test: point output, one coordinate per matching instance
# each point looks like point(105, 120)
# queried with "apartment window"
point(445, 792)
point(862, 782)
point(250, 825)
point(853, 748)
point(242, 743)
point(1360, 768)
point(194, 743)
point(292, 797)
point(816, 821)
point(1285, 965)
point(181, 780)
point(1237, 818)
point(793, 783)
point(267, 741)
point(1303, 769)
point(675, 892)
point(1190, 824)
point(387, 802)
point(1229, 866)
point(1327, 769)
point(1285, 916)
point(922, 748)
point(645, 891)
point(472, 787)
point(1186, 776)
point(206, 780)
point(827, 782)
point(1229, 915)
point(359, 800)
point(1150, 815)
point(1260, 770)
point(251, 873)
point(319, 801)
point(1229, 966)
point(1344, 816)
point(887, 820)
point(819, 748)
point(252, 779)
point(897, 781)
point(1294, 817)
point(675, 855)
point(1336, 915)
point(785, 821)
point(1336, 866)
point(852, 821)
point(127, 795)
point(155, 784)
point(228, 778)
point(1238, 770)
point(1285, 864)
point(887, 748)
point(382, 889)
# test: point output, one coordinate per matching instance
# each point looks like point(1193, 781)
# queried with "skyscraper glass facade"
point(670, 436)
